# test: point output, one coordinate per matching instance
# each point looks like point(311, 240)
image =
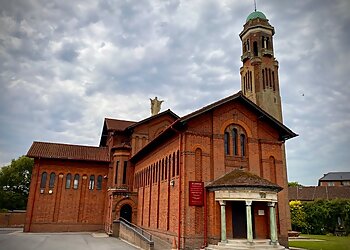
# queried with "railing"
point(133, 234)
point(137, 229)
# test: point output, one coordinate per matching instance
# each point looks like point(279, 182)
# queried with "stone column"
point(249, 221)
point(223, 220)
point(273, 225)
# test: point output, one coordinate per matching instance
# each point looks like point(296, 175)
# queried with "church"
point(211, 176)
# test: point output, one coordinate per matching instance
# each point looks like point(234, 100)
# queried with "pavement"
point(15, 239)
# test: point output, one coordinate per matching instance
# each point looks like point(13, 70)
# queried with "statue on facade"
point(155, 105)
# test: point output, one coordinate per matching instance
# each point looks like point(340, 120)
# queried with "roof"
point(336, 176)
point(67, 151)
point(241, 178)
point(256, 14)
point(118, 125)
point(319, 192)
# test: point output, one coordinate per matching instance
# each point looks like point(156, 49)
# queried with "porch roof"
point(242, 179)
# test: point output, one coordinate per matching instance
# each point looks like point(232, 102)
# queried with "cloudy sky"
point(65, 65)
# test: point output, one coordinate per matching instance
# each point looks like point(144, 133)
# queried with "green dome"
point(256, 14)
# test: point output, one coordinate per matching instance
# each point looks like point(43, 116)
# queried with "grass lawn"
point(329, 243)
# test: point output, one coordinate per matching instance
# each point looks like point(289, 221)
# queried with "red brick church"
point(216, 174)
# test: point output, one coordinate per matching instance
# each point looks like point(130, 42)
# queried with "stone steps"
point(242, 244)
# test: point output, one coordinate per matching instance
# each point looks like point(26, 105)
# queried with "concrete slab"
point(17, 240)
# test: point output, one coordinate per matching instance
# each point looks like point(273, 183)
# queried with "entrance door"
point(239, 221)
point(126, 212)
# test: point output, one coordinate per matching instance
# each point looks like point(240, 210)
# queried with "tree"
point(294, 184)
point(14, 183)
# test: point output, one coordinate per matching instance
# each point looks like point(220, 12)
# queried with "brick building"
point(336, 179)
point(215, 174)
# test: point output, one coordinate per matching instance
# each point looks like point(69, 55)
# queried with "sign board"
point(196, 193)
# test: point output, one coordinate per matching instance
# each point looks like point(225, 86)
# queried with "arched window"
point(43, 180)
point(52, 180)
point(173, 171)
point(177, 163)
point(242, 145)
point(92, 182)
point(166, 168)
point(255, 48)
point(263, 79)
point(99, 182)
point(68, 180)
point(227, 143)
point(116, 172)
point(248, 48)
point(124, 171)
point(76, 181)
point(234, 141)
point(235, 135)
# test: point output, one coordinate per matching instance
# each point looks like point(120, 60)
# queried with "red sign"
point(196, 193)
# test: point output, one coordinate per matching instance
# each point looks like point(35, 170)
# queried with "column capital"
point(248, 202)
point(222, 203)
point(271, 204)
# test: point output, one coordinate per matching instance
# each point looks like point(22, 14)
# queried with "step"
point(242, 244)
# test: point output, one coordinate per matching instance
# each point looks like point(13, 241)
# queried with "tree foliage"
point(14, 183)
point(294, 184)
point(321, 216)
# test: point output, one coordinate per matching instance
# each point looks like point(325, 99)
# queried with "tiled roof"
point(318, 192)
point(119, 125)
point(68, 151)
point(336, 176)
point(240, 178)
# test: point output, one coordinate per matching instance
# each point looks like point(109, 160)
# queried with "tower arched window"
point(52, 180)
point(43, 180)
point(247, 44)
point(263, 79)
point(68, 180)
point(255, 48)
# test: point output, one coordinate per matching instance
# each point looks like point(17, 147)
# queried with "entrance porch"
point(247, 211)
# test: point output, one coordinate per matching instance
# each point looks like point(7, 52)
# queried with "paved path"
point(17, 240)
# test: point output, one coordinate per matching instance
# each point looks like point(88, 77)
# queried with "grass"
point(328, 243)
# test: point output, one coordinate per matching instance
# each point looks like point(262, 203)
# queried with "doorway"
point(239, 221)
point(126, 212)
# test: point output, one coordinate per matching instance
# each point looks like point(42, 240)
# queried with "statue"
point(155, 106)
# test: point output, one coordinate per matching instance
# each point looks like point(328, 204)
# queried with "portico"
point(247, 207)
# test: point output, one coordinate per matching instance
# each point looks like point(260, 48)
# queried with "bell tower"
point(259, 73)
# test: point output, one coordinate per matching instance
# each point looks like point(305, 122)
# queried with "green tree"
point(14, 183)
point(294, 184)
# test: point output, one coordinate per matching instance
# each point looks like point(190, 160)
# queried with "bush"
point(320, 216)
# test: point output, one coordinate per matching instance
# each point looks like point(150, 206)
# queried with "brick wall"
point(59, 208)
point(12, 219)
